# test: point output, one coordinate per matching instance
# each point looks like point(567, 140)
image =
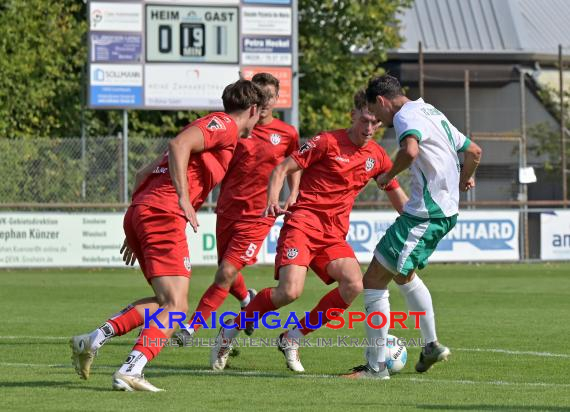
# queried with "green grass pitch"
point(508, 327)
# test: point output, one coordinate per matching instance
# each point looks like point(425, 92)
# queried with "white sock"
point(101, 335)
point(295, 334)
point(245, 302)
point(377, 301)
point(134, 364)
point(230, 333)
point(418, 299)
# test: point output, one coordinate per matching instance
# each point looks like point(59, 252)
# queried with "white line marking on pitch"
point(262, 374)
point(514, 352)
point(492, 350)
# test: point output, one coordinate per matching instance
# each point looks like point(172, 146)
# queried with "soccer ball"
point(396, 355)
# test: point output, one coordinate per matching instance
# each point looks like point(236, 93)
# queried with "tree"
point(41, 43)
point(330, 31)
point(546, 139)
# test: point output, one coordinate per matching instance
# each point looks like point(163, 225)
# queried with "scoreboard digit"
point(192, 43)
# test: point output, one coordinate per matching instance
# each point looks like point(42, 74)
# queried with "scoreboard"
point(181, 54)
point(192, 34)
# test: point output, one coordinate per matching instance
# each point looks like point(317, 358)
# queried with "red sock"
point(150, 342)
point(211, 300)
point(261, 303)
point(238, 288)
point(125, 321)
point(330, 300)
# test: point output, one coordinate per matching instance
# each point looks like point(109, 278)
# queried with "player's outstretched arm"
point(190, 140)
point(409, 150)
point(398, 198)
point(276, 180)
point(473, 155)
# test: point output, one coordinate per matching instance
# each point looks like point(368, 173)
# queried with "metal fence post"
point(125, 193)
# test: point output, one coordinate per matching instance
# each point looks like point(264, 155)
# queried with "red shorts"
point(305, 248)
point(158, 239)
point(239, 241)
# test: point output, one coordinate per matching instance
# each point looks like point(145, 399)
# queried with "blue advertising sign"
point(266, 44)
point(121, 96)
point(263, 51)
point(477, 236)
point(115, 47)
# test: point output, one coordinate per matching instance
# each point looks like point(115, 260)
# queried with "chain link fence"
point(66, 171)
point(60, 173)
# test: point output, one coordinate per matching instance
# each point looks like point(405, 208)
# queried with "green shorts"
point(410, 241)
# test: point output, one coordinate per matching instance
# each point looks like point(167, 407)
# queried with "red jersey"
point(335, 171)
point(244, 189)
point(205, 169)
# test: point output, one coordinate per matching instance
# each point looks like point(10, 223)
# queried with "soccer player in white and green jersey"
point(429, 146)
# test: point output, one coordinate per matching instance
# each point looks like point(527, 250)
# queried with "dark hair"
point(360, 100)
point(266, 79)
point(241, 95)
point(386, 85)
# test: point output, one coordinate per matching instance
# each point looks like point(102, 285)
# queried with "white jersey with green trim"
point(435, 171)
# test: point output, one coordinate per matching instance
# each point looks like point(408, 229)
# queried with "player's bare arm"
point(180, 148)
point(472, 159)
point(293, 181)
point(409, 150)
point(398, 198)
point(283, 169)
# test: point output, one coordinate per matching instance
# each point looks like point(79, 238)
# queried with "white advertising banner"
point(94, 239)
point(116, 75)
point(187, 85)
point(60, 239)
point(555, 235)
point(477, 237)
point(115, 16)
point(266, 20)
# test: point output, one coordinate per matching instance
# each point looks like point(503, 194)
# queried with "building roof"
point(529, 29)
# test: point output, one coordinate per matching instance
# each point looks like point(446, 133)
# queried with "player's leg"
point(238, 244)
point(290, 287)
point(251, 234)
point(291, 261)
point(163, 241)
point(376, 301)
point(212, 298)
point(84, 347)
point(346, 272)
point(416, 293)
point(172, 297)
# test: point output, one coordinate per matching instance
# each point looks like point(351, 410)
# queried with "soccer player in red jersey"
point(167, 194)
point(336, 166)
point(240, 228)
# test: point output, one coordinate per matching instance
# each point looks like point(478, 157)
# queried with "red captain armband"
point(392, 185)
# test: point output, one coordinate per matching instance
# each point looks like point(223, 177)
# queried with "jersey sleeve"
point(461, 141)
point(215, 131)
point(294, 143)
point(385, 166)
point(311, 152)
point(405, 124)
